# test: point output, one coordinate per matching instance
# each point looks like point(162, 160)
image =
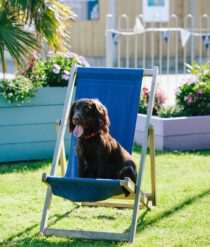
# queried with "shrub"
point(170, 111)
point(159, 100)
point(55, 70)
point(17, 90)
point(202, 72)
point(193, 97)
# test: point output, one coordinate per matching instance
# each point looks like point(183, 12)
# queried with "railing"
point(166, 46)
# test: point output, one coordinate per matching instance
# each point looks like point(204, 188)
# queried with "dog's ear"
point(71, 114)
point(104, 122)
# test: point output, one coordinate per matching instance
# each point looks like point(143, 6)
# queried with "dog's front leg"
point(82, 168)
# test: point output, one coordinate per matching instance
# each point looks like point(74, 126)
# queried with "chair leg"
point(152, 163)
point(46, 211)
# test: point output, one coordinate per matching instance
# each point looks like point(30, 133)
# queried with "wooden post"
point(143, 156)
point(152, 163)
point(62, 159)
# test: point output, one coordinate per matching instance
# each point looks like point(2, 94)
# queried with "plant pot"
point(181, 133)
point(27, 131)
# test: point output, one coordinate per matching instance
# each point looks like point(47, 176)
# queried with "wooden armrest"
point(128, 184)
point(44, 177)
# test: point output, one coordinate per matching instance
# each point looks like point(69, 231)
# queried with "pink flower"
point(189, 100)
point(145, 90)
point(65, 77)
point(161, 97)
point(83, 61)
point(56, 69)
point(200, 92)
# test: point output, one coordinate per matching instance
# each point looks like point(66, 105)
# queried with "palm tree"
point(51, 20)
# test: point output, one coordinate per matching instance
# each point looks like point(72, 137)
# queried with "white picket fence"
point(168, 46)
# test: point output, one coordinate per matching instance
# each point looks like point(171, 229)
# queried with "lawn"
point(181, 217)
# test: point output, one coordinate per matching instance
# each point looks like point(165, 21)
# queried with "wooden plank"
point(110, 204)
point(128, 184)
point(30, 115)
point(143, 156)
point(62, 154)
point(152, 163)
point(43, 96)
point(188, 142)
point(27, 151)
point(27, 133)
point(44, 178)
point(186, 126)
point(46, 210)
point(64, 119)
point(145, 201)
point(86, 234)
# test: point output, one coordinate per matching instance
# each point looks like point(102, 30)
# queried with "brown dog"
point(99, 154)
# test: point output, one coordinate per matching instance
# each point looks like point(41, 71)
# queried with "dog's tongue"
point(78, 131)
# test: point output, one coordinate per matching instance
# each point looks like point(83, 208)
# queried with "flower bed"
point(185, 126)
point(27, 124)
point(28, 130)
point(180, 133)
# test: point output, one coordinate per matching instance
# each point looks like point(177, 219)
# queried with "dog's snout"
point(76, 117)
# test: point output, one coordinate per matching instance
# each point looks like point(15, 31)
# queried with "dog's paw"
point(128, 171)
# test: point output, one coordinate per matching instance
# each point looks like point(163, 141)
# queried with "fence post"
point(109, 42)
point(192, 27)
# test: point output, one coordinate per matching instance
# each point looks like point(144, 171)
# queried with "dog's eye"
point(87, 108)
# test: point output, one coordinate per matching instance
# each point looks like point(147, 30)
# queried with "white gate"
point(169, 46)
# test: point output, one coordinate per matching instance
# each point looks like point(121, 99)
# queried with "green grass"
point(181, 217)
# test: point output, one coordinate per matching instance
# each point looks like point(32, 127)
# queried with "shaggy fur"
point(99, 154)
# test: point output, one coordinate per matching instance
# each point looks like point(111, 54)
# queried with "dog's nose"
point(76, 118)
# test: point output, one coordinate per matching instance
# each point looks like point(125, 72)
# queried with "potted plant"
point(185, 126)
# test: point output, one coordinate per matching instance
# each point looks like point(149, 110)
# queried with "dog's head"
point(88, 116)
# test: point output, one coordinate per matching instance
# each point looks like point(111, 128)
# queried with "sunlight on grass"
point(181, 217)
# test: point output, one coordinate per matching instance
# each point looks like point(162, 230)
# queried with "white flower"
point(56, 71)
point(10, 95)
point(56, 66)
point(66, 72)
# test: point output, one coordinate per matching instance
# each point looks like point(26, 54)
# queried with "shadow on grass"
point(143, 225)
point(19, 167)
point(27, 238)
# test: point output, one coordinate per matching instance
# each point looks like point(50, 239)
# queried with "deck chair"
point(119, 90)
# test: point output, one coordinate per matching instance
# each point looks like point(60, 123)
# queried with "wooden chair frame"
point(136, 196)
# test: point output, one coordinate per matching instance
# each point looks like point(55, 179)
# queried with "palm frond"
point(52, 19)
point(12, 37)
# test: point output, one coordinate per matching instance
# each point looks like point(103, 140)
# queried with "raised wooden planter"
point(27, 131)
point(182, 133)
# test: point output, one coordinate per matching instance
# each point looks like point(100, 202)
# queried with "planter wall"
point(27, 131)
point(183, 133)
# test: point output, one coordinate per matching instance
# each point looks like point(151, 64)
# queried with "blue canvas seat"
point(119, 90)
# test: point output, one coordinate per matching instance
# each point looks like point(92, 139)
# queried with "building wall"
point(88, 37)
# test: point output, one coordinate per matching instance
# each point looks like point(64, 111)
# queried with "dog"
point(99, 154)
